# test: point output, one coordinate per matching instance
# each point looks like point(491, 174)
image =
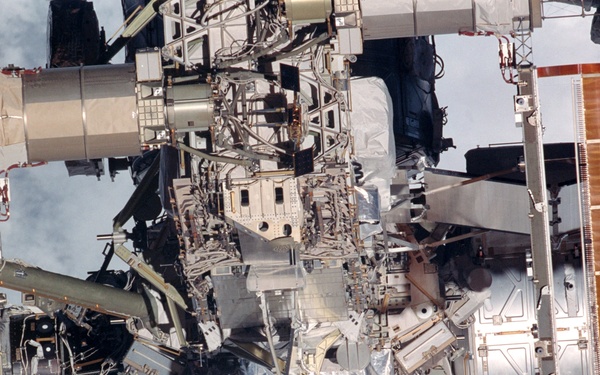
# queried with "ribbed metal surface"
point(586, 96)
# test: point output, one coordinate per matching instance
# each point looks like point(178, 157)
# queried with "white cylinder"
point(409, 18)
point(80, 113)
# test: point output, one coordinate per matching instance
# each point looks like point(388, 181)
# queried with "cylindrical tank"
point(84, 112)
point(408, 18)
point(190, 106)
point(308, 11)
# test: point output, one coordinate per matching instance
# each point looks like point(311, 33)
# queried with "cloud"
point(23, 30)
point(55, 219)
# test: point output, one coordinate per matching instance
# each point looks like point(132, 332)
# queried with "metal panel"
point(573, 340)
point(510, 307)
point(573, 358)
point(499, 206)
point(148, 65)
point(387, 19)
point(276, 214)
point(350, 41)
point(455, 21)
point(323, 298)
point(568, 210)
point(239, 308)
point(258, 250)
point(494, 16)
point(443, 17)
point(263, 278)
point(512, 358)
point(148, 361)
point(536, 13)
point(425, 348)
point(502, 336)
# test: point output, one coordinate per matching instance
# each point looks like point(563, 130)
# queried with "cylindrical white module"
point(77, 113)
point(409, 18)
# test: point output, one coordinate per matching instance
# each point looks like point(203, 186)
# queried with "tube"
point(96, 297)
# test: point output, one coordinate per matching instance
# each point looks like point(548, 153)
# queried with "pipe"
point(471, 181)
point(265, 314)
point(453, 239)
point(66, 289)
point(135, 25)
point(218, 159)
